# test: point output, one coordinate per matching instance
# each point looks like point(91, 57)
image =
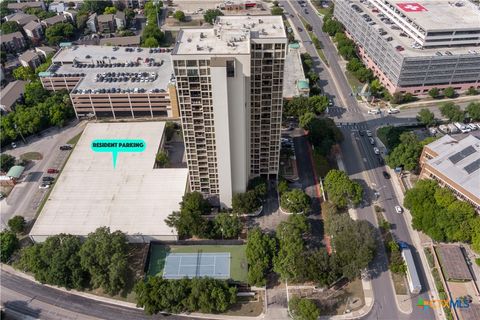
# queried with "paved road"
point(26, 196)
point(361, 163)
point(41, 302)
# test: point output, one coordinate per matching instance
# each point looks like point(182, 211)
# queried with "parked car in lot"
point(393, 110)
point(48, 178)
point(386, 175)
point(51, 170)
point(14, 145)
point(398, 209)
point(374, 111)
point(375, 149)
point(360, 132)
point(44, 186)
point(66, 147)
point(369, 133)
point(372, 141)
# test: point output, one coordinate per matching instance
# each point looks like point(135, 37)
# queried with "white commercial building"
point(134, 197)
point(229, 87)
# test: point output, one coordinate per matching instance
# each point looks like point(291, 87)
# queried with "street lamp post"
point(21, 135)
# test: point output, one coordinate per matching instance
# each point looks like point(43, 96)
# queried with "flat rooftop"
point(453, 263)
point(293, 72)
point(440, 15)
point(230, 35)
point(399, 38)
point(99, 61)
point(134, 197)
point(459, 161)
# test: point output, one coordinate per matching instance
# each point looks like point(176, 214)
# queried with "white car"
point(393, 110)
point(472, 126)
point(374, 111)
point(369, 133)
point(14, 145)
point(44, 186)
point(398, 209)
point(372, 142)
point(375, 149)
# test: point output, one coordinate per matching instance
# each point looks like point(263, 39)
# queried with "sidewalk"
point(436, 102)
point(11, 270)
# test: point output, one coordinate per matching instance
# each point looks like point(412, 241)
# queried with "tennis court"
point(180, 265)
point(217, 261)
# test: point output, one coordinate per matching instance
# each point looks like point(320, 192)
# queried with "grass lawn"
point(75, 139)
point(321, 164)
point(399, 283)
point(31, 156)
point(352, 81)
point(312, 35)
point(246, 307)
point(238, 263)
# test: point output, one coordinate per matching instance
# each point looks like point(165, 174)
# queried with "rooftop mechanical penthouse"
point(415, 46)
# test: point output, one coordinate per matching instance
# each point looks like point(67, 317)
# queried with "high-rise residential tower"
point(229, 85)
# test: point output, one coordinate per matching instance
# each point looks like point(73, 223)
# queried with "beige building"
point(11, 94)
point(115, 82)
point(13, 42)
point(30, 58)
point(229, 84)
point(455, 164)
point(34, 30)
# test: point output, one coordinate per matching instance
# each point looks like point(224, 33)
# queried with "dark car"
point(48, 178)
point(361, 133)
point(66, 147)
point(380, 161)
point(386, 175)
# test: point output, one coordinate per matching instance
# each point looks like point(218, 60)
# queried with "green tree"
point(194, 201)
point(324, 134)
point(353, 242)
point(282, 186)
point(397, 264)
point(473, 110)
point(152, 31)
point(59, 32)
point(24, 73)
point(306, 119)
point(9, 27)
point(104, 256)
point(35, 93)
point(189, 221)
point(259, 185)
point(318, 103)
point(6, 161)
point(81, 20)
point(179, 15)
point(227, 226)
point(287, 262)
point(97, 6)
point(169, 130)
point(449, 92)
point(56, 261)
point(276, 11)
point(295, 201)
point(331, 26)
point(452, 112)
point(110, 10)
point(211, 15)
point(260, 251)
point(426, 117)
point(434, 93)
point(303, 309)
point(472, 91)
point(8, 244)
point(150, 43)
point(340, 189)
point(397, 98)
point(407, 153)
point(162, 159)
point(247, 202)
point(17, 224)
point(4, 11)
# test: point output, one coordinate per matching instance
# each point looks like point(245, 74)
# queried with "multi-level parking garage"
point(107, 81)
point(413, 47)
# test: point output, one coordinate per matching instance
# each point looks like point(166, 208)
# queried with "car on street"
point(372, 141)
point(380, 161)
point(398, 209)
point(44, 186)
point(393, 111)
point(66, 147)
point(360, 132)
point(375, 149)
point(48, 178)
point(386, 175)
point(51, 170)
point(330, 102)
point(306, 11)
point(369, 133)
point(374, 111)
point(299, 29)
point(14, 145)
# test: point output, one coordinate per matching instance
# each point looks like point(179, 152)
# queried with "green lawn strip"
point(312, 35)
point(31, 156)
point(323, 11)
point(75, 139)
point(238, 263)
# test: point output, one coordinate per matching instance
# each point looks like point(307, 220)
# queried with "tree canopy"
point(206, 295)
point(6, 162)
point(212, 14)
point(260, 251)
point(473, 110)
point(8, 244)
point(323, 135)
point(303, 309)
point(426, 117)
point(24, 73)
point(452, 112)
point(449, 92)
point(247, 202)
point(434, 92)
point(259, 185)
point(17, 224)
point(295, 201)
point(9, 27)
point(179, 15)
point(59, 32)
point(340, 189)
point(407, 153)
point(227, 226)
point(97, 6)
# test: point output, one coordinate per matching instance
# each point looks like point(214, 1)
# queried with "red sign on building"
point(411, 7)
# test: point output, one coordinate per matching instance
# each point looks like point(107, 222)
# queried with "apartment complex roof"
point(105, 18)
point(133, 197)
point(25, 5)
point(32, 25)
point(21, 18)
point(9, 37)
point(432, 15)
point(10, 94)
point(230, 35)
point(121, 41)
point(54, 20)
point(123, 66)
point(45, 50)
point(459, 161)
point(28, 56)
point(453, 263)
point(294, 77)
